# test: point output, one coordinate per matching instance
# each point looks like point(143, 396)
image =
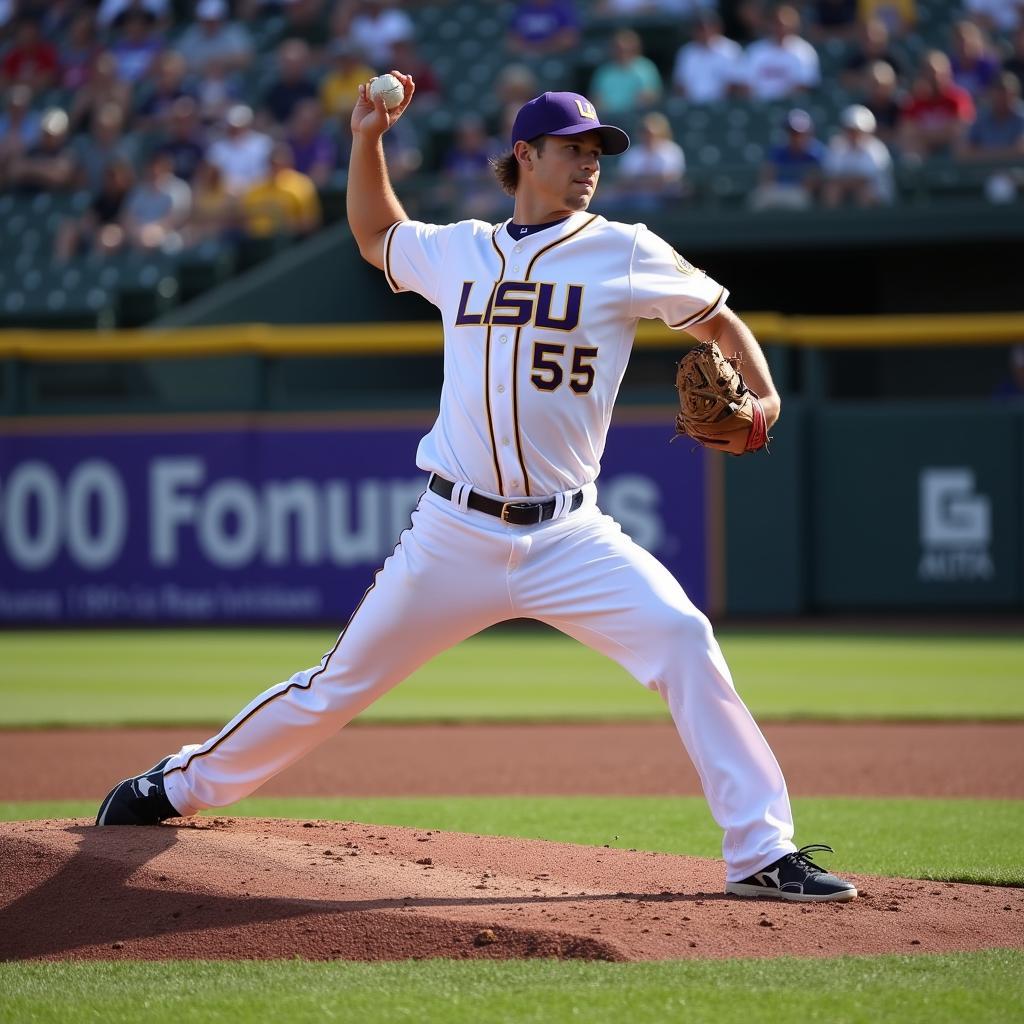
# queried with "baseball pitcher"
point(539, 316)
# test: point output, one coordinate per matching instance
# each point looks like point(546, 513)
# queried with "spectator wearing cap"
point(858, 167)
point(292, 84)
point(791, 175)
point(998, 132)
point(374, 26)
point(31, 60)
point(47, 166)
point(314, 152)
point(136, 47)
point(213, 39)
point(938, 113)
point(242, 154)
point(782, 63)
point(348, 69)
point(629, 81)
point(975, 67)
point(653, 170)
point(705, 68)
point(285, 201)
point(539, 27)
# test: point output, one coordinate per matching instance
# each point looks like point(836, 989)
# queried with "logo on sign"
point(955, 527)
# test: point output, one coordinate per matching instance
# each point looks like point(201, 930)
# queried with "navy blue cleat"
point(795, 877)
point(140, 800)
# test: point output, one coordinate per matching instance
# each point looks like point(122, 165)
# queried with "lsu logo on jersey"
point(549, 306)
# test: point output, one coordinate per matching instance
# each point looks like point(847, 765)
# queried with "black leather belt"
point(518, 513)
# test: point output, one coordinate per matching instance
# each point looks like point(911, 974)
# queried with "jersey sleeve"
point(413, 255)
point(665, 286)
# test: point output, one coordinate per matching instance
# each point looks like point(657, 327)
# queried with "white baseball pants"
point(457, 571)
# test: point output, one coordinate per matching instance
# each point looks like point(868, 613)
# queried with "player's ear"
point(523, 153)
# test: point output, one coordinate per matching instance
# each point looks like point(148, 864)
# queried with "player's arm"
point(733, 335)
point(370, 201)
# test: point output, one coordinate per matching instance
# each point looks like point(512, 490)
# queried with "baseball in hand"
point(389, 88)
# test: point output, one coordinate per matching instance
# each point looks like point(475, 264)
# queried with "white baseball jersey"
point(537, 335)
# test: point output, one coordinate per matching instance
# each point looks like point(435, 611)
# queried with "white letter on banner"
point(346, 545)
point(99, 480)
point(632, 500)
point(32, 480)
point(232, 498)
point(168, 508)
point(282, 501)
point(403, 497)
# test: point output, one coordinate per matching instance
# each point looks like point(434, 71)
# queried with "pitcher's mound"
point(229, 888)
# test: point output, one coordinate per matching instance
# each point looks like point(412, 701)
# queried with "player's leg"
point(444, 582)
point(588, 579)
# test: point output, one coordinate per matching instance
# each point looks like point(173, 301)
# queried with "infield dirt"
point(225, 888)
point(247, 888)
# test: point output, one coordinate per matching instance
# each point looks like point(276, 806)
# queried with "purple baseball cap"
point(566, 113)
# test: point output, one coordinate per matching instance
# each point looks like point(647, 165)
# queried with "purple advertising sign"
point(272, 521)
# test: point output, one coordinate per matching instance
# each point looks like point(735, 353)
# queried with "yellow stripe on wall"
point(910, 330)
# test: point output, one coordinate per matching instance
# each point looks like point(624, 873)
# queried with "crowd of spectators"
point(184, 121)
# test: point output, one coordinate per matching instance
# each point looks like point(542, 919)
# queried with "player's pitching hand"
point(372, 117)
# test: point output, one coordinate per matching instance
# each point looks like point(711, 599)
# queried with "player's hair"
point(506, 166)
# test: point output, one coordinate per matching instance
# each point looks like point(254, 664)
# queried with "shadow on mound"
point(252, 889)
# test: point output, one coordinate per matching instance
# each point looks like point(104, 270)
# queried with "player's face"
point(568, 169)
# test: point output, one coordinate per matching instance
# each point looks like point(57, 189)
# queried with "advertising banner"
point(272, 521)
point(913, 514)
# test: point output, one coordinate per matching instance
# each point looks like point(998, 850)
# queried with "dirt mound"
point(251, 888)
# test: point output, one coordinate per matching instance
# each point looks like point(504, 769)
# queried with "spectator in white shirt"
point(212, 39)
point(373, 26)
point(242, 155)
point(706, 68)
point(653, 168)
point(858, 167)
point(783, 63)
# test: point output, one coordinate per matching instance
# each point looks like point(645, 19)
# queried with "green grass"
point(977, 987)
point(178, 677)
point(956, 840)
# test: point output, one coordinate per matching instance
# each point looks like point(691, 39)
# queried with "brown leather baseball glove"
point(716, 408)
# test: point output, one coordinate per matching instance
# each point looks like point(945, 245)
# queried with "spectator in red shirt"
point(938, 113)
point(428, 86)
point(31, 59)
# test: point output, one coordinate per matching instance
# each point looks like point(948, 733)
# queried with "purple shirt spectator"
point(537, 25)
point(307, 154)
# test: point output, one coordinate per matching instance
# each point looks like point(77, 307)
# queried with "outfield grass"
point(982, 988)
point(954, 840)
point(204, 677)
